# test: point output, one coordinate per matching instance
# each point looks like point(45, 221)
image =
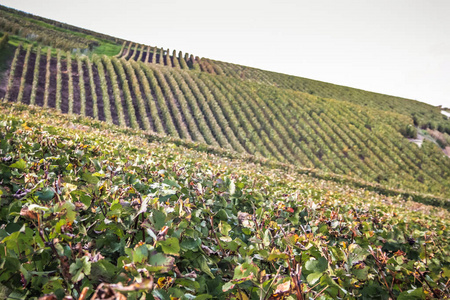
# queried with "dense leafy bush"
point(410, 131)
point(4, 41)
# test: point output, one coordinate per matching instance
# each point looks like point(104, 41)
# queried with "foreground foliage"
point(92, 210)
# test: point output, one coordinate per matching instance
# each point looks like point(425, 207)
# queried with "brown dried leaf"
point(283, 288)
point(25, 212)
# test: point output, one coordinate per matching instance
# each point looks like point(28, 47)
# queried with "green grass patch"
point(107, 48)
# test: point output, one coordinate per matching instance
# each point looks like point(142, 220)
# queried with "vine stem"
point(64, 264)
point(215, 235)
point(382, 275)
point(426, 281)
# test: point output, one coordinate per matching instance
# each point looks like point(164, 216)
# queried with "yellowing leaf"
point(283, 288)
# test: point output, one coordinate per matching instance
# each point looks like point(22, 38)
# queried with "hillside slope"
point(240, 115)
point(224, 105)
point(104, 211)
point(35, 29)
point(424, 115)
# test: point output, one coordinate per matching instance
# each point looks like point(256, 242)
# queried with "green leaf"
point(20, 164)
point(203, 297)
point(357, 253)
point(313, 278)
point(45, 194)
point(333, 288)
point(69, 208)
point(37, 208)
point(361, 274)
point(190, 244)
point(231, 245)
point(267, 238)
point(53, 285)
point(161, 262)
point(222, 215)
point(246, 271)
point(201, 260)
point(89, 178)
point(103, 271)
point(228, 286)
point(191, 284)
point(317, 266)
point(161, 294)
point(224, 228)
point(17, 295)
point(140, 254)
point(372, 290)
point(86, 265)
point(172, 183)
point(170, 246)
point(446, 272)
point(276, 254)
point(415, 294)
point(80, 268)
point(97, 174)
point(158, 219)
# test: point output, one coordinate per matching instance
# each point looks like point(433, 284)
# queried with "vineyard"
point(424, 115)
point(246, 117)
point(131, 171)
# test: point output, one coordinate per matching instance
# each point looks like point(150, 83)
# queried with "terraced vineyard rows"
point(221, 111)
point(23, 26)
point(141, 53)
point(424, 114)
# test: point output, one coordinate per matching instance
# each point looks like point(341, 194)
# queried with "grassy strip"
point(35, 76)
point(58, 81)
point(24, 74)
point(12, 73)
point(47, 77)
point(70, 87)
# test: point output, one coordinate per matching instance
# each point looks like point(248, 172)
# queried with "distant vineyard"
point(48, 36)
point(68, 37)
point(60, 35)
point(49, 32)
point(158, 92)
point(424, 115)
point(159, 56)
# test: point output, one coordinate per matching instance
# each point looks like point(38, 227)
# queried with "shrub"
point(409, 131)
point(4, 41)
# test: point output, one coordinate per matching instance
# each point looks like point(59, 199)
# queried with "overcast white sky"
point(399, 47)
